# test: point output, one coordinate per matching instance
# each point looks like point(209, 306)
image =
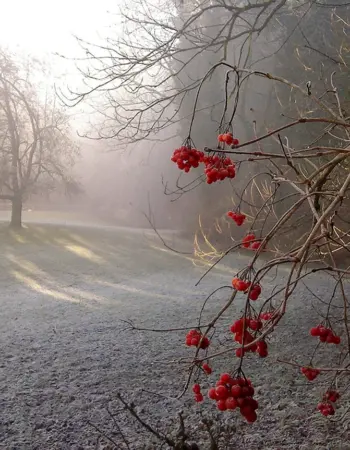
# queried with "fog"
point(122, 181)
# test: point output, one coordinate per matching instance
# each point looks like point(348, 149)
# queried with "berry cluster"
point(266, 315)
point(228, 139)
point(332, 396)
point(255, 292)
point(198, 396)
point(218, 168)
point(247, 240)
point(240, 285)
point(231, 393)
point(195, 338)
point(310, 373)
point(207, 369)
point(326, 409)
point(187, 157)
point(255, 245)
point(243, 286)
point(243, 336)
point(325, 334)
point(239, 218)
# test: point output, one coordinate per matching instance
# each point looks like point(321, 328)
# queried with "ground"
point(65, 352)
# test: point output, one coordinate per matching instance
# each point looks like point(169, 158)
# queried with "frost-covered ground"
point(64, 355)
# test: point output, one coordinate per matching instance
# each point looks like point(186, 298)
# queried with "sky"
point(42, 27)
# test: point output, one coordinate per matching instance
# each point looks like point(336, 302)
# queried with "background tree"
point(147, 76)
point(36, 146)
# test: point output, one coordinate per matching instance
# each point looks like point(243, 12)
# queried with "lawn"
point(65, 353)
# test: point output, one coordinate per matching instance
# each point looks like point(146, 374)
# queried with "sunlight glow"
point(84, 253)
point(32, 284)
point(42, 26)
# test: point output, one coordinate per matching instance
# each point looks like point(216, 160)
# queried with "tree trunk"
point(16, 214)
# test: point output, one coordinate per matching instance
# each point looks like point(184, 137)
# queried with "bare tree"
point(135, 71)
point(35, 141)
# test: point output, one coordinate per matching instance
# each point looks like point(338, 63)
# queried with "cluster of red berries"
point(231, 393)
point(266, 315)
point(194, 338)
point(239, 218)
point(243, 286)
point(247, 242)
point(198, 396)
point(325, 407)
point(243, 336)
point(187, 157)
point(228, 139)
point(332, 396)
point(207, 369)
point(325, 334)
point(240, 285)
point(218, 168)
point(310, 373)
point(255, 292)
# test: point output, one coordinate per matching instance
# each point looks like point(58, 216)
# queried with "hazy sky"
point(44, 26)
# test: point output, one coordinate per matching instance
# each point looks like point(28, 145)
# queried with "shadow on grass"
point(93, 267)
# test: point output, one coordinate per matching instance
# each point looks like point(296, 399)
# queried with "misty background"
point(122, 177)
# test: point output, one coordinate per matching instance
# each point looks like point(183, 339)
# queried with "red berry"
point(255, 324)
point(212, 394)
point(225, 378)
point(245, 391)
point(239, 352)
point(241, 401)
point(228, 139)
point(236, 391)
point(330, 338)
point(242, 382)
point(251, 417)
point(310, 373)
point(207, 369)
point(205, 343)
point(192, 332)
point(256, 245)
point(247, 240)
point(239, 218)
point(221, 405)
point(231, 403)
point(315, 331)
point(253, 404)
point(262, 349)
point(195, 341)
point(235, 281)
point(323, 332)
point(326, 409)
point(336, 340)
point(254, 294)
point(221, 392)
point(332, 396)
point(257, 288)
point(196, 388)
point(246, 410)
point(199, 398)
